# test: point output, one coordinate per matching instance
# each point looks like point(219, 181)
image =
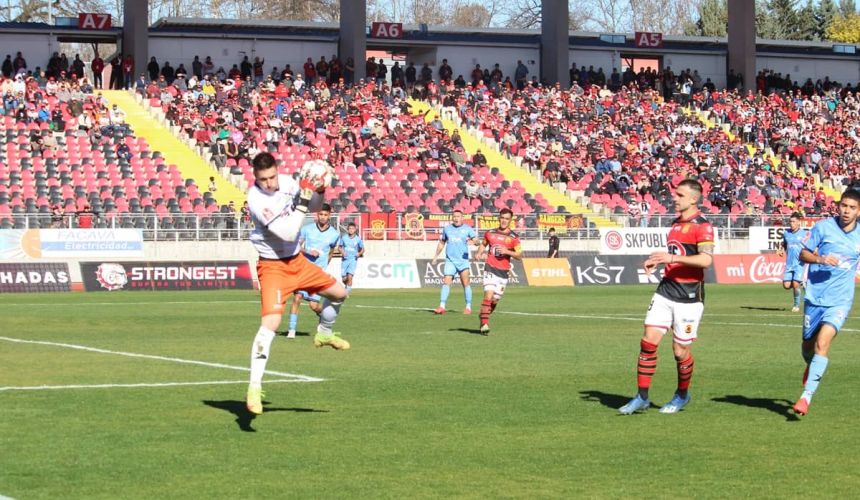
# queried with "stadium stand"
point(770, 153)
point(387, 157)
point(67, 152)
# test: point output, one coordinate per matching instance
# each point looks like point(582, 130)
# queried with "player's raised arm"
point(482, 245)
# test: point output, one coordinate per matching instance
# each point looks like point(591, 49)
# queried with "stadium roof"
point(417, 34)
point(452, 34)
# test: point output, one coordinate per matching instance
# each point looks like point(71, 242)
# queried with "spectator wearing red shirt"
point(128, 71)
point(85, 218)
point(98, 66)
point(310, 71)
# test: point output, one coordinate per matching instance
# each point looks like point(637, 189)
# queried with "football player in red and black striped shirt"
point(679, 301)
point(501, 245)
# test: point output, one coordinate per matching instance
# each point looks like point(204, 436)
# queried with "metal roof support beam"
point(135, 33)
point(353, 35)
point(741, 42)
point(554, 42)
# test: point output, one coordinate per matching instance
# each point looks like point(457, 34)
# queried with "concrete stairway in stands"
point(513, 172)
point(190, 164)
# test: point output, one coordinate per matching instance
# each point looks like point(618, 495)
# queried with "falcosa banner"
point(99, 243)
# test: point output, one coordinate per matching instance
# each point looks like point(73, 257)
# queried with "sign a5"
point(90, 21)
point(386, 30)
point(646, 40)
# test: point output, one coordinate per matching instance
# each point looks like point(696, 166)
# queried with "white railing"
point(219, 226)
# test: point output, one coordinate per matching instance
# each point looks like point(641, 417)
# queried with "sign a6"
point(90, 21)
point(386, 30)
point(646, 40)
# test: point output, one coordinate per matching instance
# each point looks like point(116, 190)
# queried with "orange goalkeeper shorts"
point(280, 278)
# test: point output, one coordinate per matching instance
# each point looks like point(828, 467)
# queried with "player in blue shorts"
point(832, 249)
point(456, 238)
point(317, 240)
point(795, 270)
point(352, 248)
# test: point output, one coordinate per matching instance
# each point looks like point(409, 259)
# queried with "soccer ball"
point(318, 172)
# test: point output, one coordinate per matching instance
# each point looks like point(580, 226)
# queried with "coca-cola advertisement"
point(749, 268)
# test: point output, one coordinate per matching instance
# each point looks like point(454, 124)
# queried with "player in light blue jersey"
point(833, 249)
point(352, 248)
point(456, 238)
point(795, 270)
point(317, 240)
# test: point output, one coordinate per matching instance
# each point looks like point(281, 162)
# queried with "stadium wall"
point(227, 51)
point(838, 69)
point(36, 47)
point(463, 59)
point(711, 66)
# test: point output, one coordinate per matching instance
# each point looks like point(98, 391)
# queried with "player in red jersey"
point(679, 300)
point(502, 245)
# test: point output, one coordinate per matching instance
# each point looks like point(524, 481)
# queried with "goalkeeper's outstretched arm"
point(288, 227)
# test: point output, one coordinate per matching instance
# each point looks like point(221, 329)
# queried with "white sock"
point(260, 354)
point(328, 315)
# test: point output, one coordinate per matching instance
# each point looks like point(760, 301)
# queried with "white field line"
point(608, 317)
point(154, 384)
point(303, 378)
point(6, 498)
point(594, 316)
point(150, 303)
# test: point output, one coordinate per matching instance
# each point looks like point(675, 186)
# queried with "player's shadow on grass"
point(613, 401)
point(244, 417)
point(778, 406)
point(298, 334)
point(752, 308)
point(473, 331)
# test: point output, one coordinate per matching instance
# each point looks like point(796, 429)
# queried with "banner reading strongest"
point(194, 275)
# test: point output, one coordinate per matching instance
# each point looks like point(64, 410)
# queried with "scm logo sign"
point(398, 270)
point(378, 273)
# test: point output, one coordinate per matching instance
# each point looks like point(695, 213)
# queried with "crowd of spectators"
point(623, 139)
point(69, 159)
point(366, 128)
point(764, 152)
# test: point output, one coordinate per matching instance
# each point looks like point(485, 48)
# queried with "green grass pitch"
point(421, 406)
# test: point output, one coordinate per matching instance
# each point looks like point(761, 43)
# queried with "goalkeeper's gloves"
point(307, 187)
point(306, 192)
